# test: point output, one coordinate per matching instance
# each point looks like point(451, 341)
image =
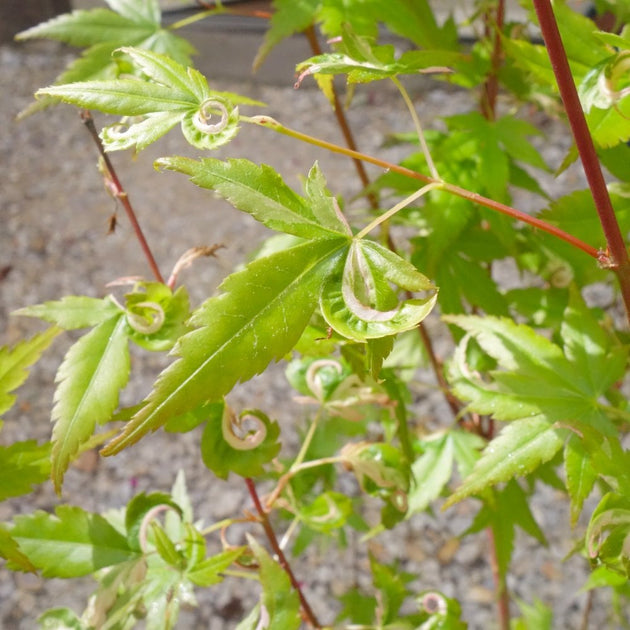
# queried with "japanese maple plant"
point(534, 379)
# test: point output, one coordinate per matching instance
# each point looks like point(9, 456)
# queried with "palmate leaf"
point(15, 361)
point(363, 62)
point(259, 316)
point(102, 31)
point(166, 94)
point(87, 28)
point(541, 387)
point(71, 544)
point(90, 378)
point(264, 308)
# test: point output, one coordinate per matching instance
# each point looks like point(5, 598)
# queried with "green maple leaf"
point(73, 311)
point(14, 364)
point(259, 316)
point(167, 94)
point(364, 62)
point(90, 378)
point(541, 388)
point(101, 32)
point(71, 544)
point(262, 310)
point(22, 465)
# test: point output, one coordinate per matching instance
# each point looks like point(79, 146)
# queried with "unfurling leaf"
point(223, 451)
point(358, 301)
point(258, 317)
point(168, 94)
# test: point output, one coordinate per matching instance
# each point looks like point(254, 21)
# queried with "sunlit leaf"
point(73, 311)
point(15, 361)
point(260, 314)
point(71, 544)
point(90, 378)
point(261, 192)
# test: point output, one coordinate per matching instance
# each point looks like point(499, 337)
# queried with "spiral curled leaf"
point(165, 93)
point(212, 125)
point(236, 434)
point(358, 301)
point(147, 325)
point(225, 449)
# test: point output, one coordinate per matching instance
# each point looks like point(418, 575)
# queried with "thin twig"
point(587, 610)
point(436, 365)
point(500, 588)
point(270, 123)
point(342, 121)
point(120, 194)
point(273, 541)
point(491, 85)
point(619, 261)
point(420, 133)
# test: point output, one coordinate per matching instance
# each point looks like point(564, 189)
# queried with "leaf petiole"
point(418, 126)
point(399, 206)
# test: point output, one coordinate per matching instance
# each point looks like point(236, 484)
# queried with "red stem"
point(491, 86)
point(273, 541)
point(503, 601)
point(455, 190)
point(616, 245)
point(121, 195)
point(437, 367)
point(343, 121)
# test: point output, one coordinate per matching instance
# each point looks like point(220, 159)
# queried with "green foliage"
point(70, 544)
point(92, 374)
point(101, 32)
point(280, 605)
point(14, 364)
point(536, 381)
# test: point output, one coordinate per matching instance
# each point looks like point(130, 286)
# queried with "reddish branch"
point(491, 86)
point(616, 246)
point(273, 541)
point(120, 194)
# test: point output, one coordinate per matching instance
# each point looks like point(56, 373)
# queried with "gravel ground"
point(54, 214)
